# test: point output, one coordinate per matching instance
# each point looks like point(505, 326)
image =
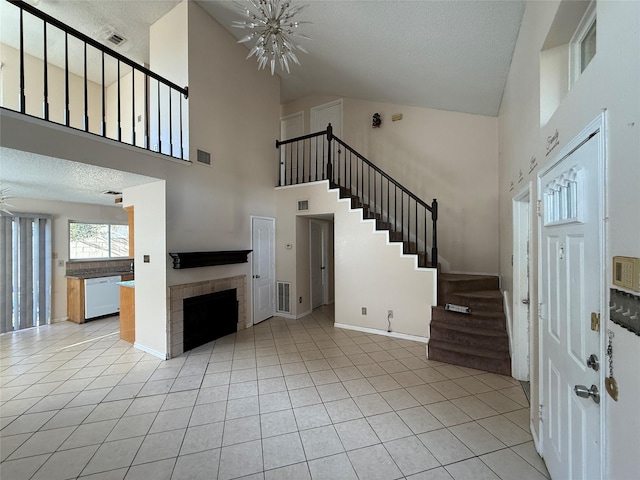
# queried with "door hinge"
point(539, 208)
point(595, 321)
point(540, 411)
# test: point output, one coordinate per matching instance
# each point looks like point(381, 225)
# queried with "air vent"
point(112, 192)
point(303, 205)
point(116, 39)
point(204, 157)
point(284, 297)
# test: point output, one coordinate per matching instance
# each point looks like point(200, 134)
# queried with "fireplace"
point(209, 317)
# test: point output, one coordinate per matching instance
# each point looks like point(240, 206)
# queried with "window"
point(584, 42)
point(98, 240)
point(588, 47)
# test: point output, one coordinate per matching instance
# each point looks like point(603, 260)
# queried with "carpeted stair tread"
point(468, 350)
point(471, 337)
point(481, 359)
point(498, 334)
point(492, 320)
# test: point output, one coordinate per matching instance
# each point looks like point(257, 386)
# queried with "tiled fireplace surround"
point(177, 293)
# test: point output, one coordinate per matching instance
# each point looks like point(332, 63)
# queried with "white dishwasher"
point(101, 296)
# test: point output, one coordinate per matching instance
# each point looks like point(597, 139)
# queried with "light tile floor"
point(286, 399)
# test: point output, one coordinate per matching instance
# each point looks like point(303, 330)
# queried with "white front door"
point(263, 268)
point(571, 228)
point(318, 247)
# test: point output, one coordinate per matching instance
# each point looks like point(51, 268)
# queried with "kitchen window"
point(98, 240)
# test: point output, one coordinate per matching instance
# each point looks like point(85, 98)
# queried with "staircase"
point(476, 340)
point(408, 248)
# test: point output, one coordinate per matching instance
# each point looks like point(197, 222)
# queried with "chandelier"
point(273, 29)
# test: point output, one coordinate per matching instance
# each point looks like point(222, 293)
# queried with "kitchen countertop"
point(128, 283)
point(85, 275)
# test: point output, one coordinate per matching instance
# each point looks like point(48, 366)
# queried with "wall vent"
point(116, 39)
point(303, 205)
point(284, 297)
point(204, 157)
point(112, 192)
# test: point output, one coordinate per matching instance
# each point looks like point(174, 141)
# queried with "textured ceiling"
point(28, 175)
point(450, 55)
point(445, 54)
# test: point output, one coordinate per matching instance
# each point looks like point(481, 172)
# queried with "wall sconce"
point(377, 121)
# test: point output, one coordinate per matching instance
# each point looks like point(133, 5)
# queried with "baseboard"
point(59, 320)
point(403, 336)
point(303, 314)
point(457, 272)
point(290, 316)
point(150, 351)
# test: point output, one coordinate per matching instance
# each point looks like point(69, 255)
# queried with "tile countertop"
point(128, 283)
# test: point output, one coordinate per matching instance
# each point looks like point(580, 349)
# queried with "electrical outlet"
point(61, 263)
point(390, 314)
point(364, 310)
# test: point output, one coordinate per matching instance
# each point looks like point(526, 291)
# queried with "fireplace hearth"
point(209, 317)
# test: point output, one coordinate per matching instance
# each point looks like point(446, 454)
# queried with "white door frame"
point(597, 125)
point(273, 268)
point(325, 257)
point(521, 317)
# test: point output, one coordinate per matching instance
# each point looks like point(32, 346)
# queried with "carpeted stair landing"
point(476, 340)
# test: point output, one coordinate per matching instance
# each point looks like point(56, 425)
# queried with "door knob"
point(584, 392)
point(256, 276)
point(592, 362)
point(525, 301)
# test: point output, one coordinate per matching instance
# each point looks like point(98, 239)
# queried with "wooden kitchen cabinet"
point(75, 299)
point(128, 313)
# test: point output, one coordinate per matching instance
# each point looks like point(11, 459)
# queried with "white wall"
point(369, 272)
point(234, 112)
point(34, 90)
point(62, 212)
point(149, 203)
point(609, 82)
point(436, 154)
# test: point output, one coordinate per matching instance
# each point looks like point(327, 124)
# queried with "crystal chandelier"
point(273, 29)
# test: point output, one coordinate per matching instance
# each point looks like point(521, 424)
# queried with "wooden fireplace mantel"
point(207, 259)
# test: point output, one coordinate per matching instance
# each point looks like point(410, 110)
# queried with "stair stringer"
point(370, 271)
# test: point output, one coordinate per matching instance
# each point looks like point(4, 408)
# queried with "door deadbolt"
point(584, 392)
point(592, 362)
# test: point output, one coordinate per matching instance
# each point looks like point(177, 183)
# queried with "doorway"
point(263, 267)
point(521, 298)
point(319, 258)
point(291, 126)
point(571, 291)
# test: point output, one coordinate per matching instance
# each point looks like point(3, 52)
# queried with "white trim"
point(150, 351)
point(250, 319)
point(403, 336)
point(507, 313)
point(291, 117)
point(519, 335)
point(536, 439)
point(575, 57)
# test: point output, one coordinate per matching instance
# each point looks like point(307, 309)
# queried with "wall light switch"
point(364, 310)
point(61, 263)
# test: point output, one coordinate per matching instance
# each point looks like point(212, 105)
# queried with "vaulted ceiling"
point(445, 54)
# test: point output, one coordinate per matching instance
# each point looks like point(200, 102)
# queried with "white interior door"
point(264, 268)
point(521, 298)
point(571, 194)
point(291, 126)
point(328, 113)
point(319, 233)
